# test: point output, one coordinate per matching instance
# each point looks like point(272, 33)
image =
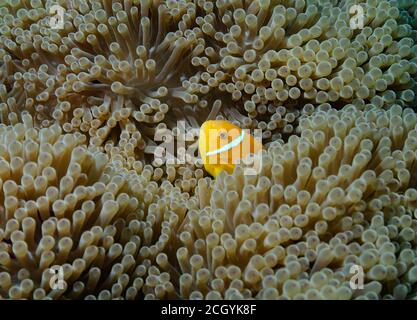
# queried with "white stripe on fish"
point(228, 146)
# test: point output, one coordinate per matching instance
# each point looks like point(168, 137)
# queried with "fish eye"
point(223, 134)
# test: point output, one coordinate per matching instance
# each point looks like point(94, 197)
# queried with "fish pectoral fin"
point(217, 171)
point(225, 167)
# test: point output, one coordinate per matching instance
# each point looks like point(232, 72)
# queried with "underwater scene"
point(208, 150)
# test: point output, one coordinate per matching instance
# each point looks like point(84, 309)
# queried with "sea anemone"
point(112, 67)
point(132, 65)
point(264, 55)
point(65, 206)
point(342, 194)
point(87, 191)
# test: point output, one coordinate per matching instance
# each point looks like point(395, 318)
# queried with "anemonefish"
point(222, 145)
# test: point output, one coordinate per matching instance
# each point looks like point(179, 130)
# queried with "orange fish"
point(223, 145)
